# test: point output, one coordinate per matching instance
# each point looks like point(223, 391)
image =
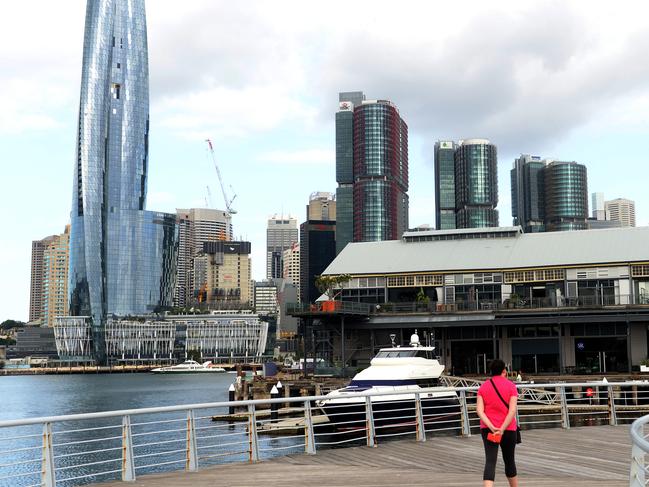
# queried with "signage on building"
point(345, 106)
point(581, 346)
point(446, 145)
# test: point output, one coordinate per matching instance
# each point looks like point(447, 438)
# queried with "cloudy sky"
point(562, 79)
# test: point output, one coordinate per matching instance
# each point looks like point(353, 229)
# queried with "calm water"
point(51, 395)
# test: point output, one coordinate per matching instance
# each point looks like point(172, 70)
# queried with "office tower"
point(195, 227)
point(281, 234)
point(291, 263)
point(476, 184)
point(444, 184)
point(566, 196)
point(55, 278)
point(380, 172)
point(528, 193)
point(345, 166)
point(266, 298)
point(598, 210)
point(621, 210)
point(227, 274)
point(122, 258)
point(36, 283)
point(322, 206)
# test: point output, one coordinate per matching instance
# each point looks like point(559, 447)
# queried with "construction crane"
point(228, 201)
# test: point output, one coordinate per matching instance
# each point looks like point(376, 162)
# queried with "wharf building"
point(281, 234)
point(548, 195)
point(49, 278)
point(195, 227)
point(371, 170)
point(466, 184)
point(550, 302)
point(122, 257)
point(236, 336)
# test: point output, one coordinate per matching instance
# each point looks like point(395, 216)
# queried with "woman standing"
point(497, 399)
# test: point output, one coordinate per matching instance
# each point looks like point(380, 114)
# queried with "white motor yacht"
point(189, 367)
point(405, 370)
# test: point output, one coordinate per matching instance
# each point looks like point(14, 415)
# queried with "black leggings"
point(507, 445)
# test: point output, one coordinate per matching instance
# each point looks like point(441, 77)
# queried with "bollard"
point(231, 399)
point(280, 392)
point(274, 394)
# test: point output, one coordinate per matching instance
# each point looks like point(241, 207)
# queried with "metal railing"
point(83, 448)
point(639, 475)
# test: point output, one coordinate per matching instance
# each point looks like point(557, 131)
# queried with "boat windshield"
point(404, 353)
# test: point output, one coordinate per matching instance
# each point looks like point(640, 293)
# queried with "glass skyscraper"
point(566, 196)
point(445, 185)
point(476, 184)
point(528, 193)
point(122, 258)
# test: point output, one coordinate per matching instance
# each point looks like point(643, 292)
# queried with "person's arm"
point(513, 404)
point(482, 415)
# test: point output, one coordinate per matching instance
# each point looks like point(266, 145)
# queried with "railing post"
point(191, 459)
point(128, 465)
point(369, 417)
point(419, 411)
point(464, 415)
point(612, 416)
point(565, 412)
point(48, 473)
point(309, 436)
point(252, 434)
point(637, 473)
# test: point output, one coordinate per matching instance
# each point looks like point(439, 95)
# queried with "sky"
point(566, 80)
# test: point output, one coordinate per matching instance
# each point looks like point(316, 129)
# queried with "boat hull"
point(188, 371)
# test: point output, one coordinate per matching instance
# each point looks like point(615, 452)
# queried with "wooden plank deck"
point(596, 456)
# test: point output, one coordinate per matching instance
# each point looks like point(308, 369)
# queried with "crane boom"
point(228, 201)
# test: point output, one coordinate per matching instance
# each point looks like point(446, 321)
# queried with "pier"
point(589, 456)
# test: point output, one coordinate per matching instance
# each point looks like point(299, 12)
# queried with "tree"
point(329, 285)
point(9, 324)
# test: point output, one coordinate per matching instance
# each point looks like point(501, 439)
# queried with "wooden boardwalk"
point(589, 456)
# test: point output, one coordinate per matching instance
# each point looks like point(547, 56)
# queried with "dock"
point(596, 456)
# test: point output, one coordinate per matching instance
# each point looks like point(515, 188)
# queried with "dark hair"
point(496, 366)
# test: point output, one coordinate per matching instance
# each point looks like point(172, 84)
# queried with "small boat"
point(189, 367)
point(403, 370)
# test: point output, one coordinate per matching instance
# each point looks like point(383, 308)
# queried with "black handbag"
point(518, 426)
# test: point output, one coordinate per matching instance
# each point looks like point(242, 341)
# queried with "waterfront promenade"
point(596, 456)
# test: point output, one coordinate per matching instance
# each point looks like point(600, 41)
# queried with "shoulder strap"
point(497, 392)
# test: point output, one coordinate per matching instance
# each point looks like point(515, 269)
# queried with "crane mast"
point(228, 201)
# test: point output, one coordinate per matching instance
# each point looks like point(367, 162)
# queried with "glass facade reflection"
point(380, 172)
point(566, 197)
point(528, 193)
point(444, 185)
point(122, 258)
point(476, 184)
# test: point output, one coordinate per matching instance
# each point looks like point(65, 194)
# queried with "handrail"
point(639, 448)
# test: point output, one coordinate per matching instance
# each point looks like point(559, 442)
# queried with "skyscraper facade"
point(476, 184)
point(322, 206)
point(122, 258)
point(195, 227)
point(380, 172)
point(55, 278)
point(621, 210)
point(36, 283)
point(291, 270)
point(345, 166)
point(566, 196)
point(227, 274)
point(528, 193)
point(281, 234)
point(444, 185)
point(598, 207)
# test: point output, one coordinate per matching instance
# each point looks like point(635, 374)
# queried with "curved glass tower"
point(566, 198)
point(122, 258)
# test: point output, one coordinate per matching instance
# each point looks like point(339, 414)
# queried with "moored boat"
point(189, 367)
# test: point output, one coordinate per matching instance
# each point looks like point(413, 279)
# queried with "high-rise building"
point(227, 274)
point(196, 226)
point(598, 207)
point(528, 193)
point(476, 184)
point(444, 185)
point(281, 234)
point(345, 166)
point(621, 210)
point(36, 284)
point(266, 298)
point(566, 196)
point(322, 206)
point(55, 278)
point(122, 258)
point(380, 172)
point(291, 262)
